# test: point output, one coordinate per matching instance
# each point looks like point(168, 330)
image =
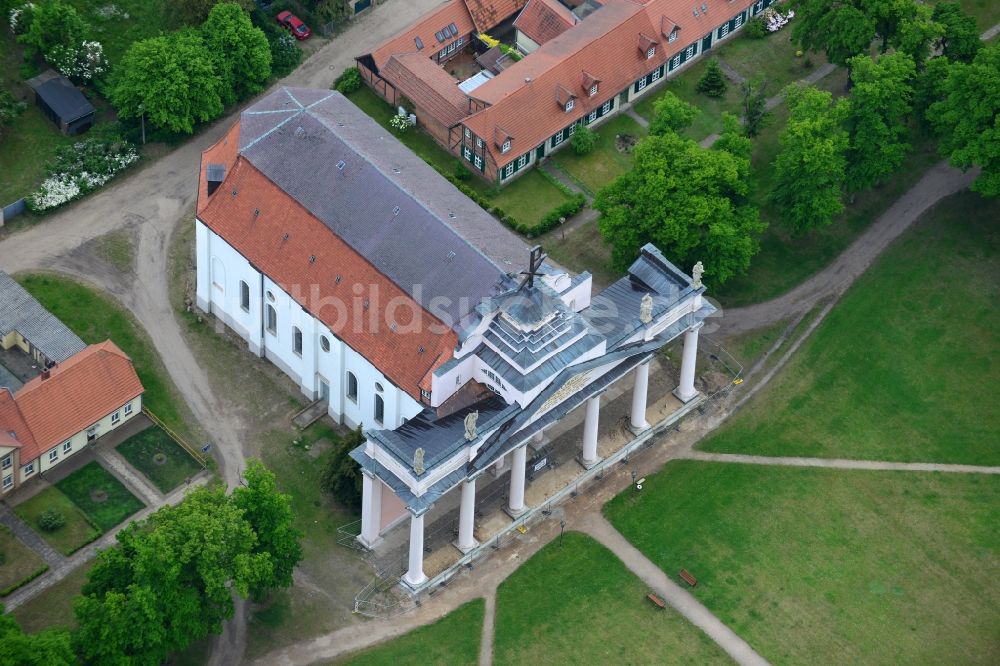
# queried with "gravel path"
point(489, 624)
point(838, 463)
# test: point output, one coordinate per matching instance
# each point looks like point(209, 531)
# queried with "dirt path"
point(677, 597)
point(489, 624)
point(839, 463)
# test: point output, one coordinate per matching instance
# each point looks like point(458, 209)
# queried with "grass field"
point(830, 566)
point(451, 641)
point(141, 450)
point(95, 318)
point(19, 562)
point(527, 199)
point(53, 606)
point(577, 603)
point(77, 532)
point(904, 366)
point(118, 505)
point(606, 163)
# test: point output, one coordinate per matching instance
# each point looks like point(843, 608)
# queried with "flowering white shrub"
point(79, 169)
point(399, 123)
point(17, 19)
point(82, 62)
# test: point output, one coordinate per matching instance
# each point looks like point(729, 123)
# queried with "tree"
point(967, 117)
point(713, 81)
point(269, 513)
point(918, 33)
point(194, 12)
point(349, 81)
point(584, 140)
point(341, 476)
point(10, 109)
point(689, 201)
point(839, 29)
point(960, 38)
point(881, 101)
point(52, 24)
point(50, 647)
point(239, 51)
point(754, 104)
point(809, 169)
point(170, 79)
point(169, 581)
point(285, 53)
point(671, 114)
point(733, 138)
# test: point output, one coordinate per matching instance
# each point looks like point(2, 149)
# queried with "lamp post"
point(562, 526)
point(142, 119)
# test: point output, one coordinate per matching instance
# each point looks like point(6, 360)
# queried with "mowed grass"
point(78, 530)
point(577, 603)
point(141, 450)
point(53, 606)
point(19, 562)
point(606, 162)
point(817, 566)
point(96, 318)
point(904, 366)
point(528, 198)
point(118, 505)
point(451, 641)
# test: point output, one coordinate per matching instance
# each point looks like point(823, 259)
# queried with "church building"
point(382, 290)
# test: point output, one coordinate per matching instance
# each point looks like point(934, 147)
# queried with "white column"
point(466, 517)
point(516, 504)
point(685, 392)
point(638, 420)
point(415, 574)
point(371, 510)
point(589, 457)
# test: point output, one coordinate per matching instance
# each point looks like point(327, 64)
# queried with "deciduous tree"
point(269, 513)
point(840, 29)
point(810, 168)
point(689, 201)
point(960, 38)
point(194, 12)
point(671, 114)
point(50, 647)
point(239, 51)
point(881, 101)
point(754, 104)
point(170, 79)
point(733, 138)
point(968, 117)
point(53, 23)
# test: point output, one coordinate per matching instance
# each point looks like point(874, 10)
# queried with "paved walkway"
point(679, 599)
point(489, 624)
point(634, 115)
point(731, 73)
point(135, 481)
point(30, 538)
point(838, 463)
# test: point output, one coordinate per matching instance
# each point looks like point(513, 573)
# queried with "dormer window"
point(650, 52)
point(672, 36)
point(569, 105)
point(505, 147)
point(593, 90)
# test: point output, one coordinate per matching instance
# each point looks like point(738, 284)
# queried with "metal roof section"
point(295, 136)
point(20, 312)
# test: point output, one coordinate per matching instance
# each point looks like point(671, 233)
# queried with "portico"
point(532, 361)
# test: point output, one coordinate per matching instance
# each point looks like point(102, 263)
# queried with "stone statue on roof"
point(418, 461)
point(696, 274)
point(470, 425)
point(646, 309)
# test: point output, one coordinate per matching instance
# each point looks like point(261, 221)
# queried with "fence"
point(197, 455)
point(13, 210)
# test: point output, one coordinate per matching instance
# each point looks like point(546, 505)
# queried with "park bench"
point(688, 578)
point(656, 600)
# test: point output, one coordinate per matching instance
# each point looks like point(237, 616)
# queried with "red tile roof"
point(223, 152)
point(605, 46)
point(78, 393)
point(487, 14)
point(406, 356)
point(13, 430)
point(543, 20)
point(426, 27)
point(428, 86)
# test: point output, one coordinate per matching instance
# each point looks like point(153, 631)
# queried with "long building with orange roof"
point(580, 65)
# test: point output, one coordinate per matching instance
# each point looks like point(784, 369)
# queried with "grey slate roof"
point(61, 96)
point(20, 312)
point(389, 205)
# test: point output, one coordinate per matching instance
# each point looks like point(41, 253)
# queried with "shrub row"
point(24, 581)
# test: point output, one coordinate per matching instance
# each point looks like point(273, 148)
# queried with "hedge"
point(24, 581)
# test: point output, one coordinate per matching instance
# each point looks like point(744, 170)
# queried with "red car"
point(294, 25)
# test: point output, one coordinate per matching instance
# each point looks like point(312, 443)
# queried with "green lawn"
point(119, 503)
point(134, 20)
point(451, 641)
point(773, 57)
point(19, 563)
point(528, 198)
point(77, 532)
point(577, 603)
point(903, 367)
point(606, 162)
point(95, 318)
point(168, 472)
point(815, 566)
point(684, 85)
point(987, 12)
point(53, 606)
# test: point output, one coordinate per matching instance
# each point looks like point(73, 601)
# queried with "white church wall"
point(312, 364)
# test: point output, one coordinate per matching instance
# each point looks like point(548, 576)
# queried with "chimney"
point(214, 174)
point(46, 373)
